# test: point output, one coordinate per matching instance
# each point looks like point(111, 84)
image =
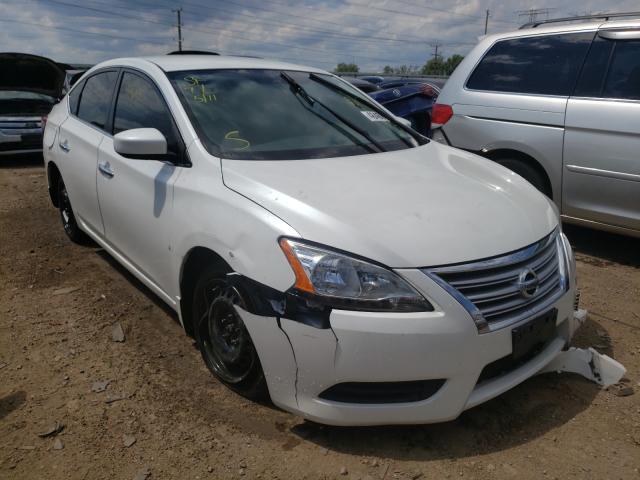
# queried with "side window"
point(544, 65)
point(95, 99)
point(623, 79)
point(594, 69)
point(139, 105)
point(74, 98)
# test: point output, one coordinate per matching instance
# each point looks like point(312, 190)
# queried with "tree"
point(387, 70)
point(346, 68)
point(452, 62)
point(435, 66)
point(438, 66)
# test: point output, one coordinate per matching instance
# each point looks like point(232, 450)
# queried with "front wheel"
point(222, 337)
point(69, 222)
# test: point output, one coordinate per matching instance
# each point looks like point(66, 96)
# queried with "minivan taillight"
point(43, 122)
point(440, 114)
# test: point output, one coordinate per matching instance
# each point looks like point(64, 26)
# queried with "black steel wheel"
point(69, 222)
point(222, 337)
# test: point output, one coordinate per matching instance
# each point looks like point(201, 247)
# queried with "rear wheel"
point(222, 337)
point(69, 222)
point(530, 173)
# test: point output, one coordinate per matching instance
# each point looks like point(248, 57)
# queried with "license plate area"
point(531, 337)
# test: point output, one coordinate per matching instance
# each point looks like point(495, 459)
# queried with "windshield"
point(281, 115)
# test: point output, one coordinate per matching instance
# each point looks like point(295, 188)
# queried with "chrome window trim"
point(604, 173)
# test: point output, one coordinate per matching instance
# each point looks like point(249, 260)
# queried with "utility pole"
point(179, 12)
point(486, 22)
point(436, 54)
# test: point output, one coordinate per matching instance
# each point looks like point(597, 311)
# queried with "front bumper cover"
point(301, 361)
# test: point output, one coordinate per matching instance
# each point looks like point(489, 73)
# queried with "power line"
point(429, 7)
point(386, 10)
point(84, 32)
point(208, 32)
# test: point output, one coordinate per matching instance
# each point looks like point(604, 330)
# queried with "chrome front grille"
point(504, 290)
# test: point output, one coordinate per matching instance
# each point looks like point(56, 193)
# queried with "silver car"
point(558, 104)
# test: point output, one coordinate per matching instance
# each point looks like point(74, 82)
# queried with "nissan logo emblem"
point(528, 283)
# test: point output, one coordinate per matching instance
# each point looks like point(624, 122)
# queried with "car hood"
point(30, 73)
point(419, 207)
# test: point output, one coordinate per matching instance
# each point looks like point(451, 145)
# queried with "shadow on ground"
point(11, 402)
point(606, 247)
point(23, 160)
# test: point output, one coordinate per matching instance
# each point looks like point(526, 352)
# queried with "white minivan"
point(320, 252)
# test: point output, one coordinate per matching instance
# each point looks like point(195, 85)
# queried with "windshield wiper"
point(299, 90)
point(328, 83)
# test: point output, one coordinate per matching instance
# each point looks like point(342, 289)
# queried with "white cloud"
point(319, 33)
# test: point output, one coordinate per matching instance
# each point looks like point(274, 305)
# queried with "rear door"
point(78, 140)
point(601, 180)
point(136, 195)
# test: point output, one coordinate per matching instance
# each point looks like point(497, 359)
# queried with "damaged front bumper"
point(375, 368)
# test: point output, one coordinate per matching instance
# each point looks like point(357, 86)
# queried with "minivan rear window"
point(623, 79)
point(544, 65)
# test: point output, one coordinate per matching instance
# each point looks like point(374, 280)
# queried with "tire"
point(528, 172)
point(69, 222)
point(222, 337)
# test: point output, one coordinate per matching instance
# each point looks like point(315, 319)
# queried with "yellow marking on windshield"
point(198, 91)
point(234, 135)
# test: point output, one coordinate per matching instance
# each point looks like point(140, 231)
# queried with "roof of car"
point(566, 28)
point(172, 63)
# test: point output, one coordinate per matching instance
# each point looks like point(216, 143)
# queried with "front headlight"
point(348, 283)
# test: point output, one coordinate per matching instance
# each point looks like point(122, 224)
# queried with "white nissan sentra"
point(321, 252)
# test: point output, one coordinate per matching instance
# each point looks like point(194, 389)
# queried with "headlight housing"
point(342, 281)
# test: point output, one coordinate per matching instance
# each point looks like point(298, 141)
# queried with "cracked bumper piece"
point(432, 359)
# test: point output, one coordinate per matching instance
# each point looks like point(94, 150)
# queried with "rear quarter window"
point(74, 98)
point(95, 99)
point(544, 65)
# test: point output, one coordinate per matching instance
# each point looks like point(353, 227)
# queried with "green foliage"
point(346, 68)
point(439, 66)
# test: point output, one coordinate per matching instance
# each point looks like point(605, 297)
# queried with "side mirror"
point(142, 143)
point(403, 121)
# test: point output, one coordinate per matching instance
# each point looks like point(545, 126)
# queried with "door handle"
point(106, 169)
point(65, 146)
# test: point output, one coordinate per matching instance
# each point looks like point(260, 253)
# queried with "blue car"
point(411, 99)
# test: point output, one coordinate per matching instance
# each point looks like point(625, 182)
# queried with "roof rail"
point(599, 16)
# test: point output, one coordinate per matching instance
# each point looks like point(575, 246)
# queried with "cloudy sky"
point(371, 33)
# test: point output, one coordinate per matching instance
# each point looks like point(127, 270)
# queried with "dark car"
point(29, 87)
point(409, 98)
point(364, 85)
point(412, 101)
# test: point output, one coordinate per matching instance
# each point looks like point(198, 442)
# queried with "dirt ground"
point(59, 302)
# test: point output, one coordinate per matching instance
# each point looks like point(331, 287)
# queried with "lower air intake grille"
point(382, 392)
point(504, 290)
